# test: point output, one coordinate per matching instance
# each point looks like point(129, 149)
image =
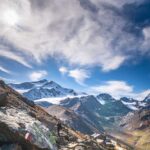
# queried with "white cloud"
point(37, 75)
point(80, 75)
point(119, 89)
point(4, 70)
point(112, 65)
point(63, 70)
point(115, 88)
point(5, 52)
point(67, 30)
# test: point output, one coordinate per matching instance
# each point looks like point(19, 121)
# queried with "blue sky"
point(88, 45)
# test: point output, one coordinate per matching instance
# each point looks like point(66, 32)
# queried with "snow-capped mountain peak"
point(51, 84)
point(42, 89)
point(104, 98)
point(50, 91)
point(28, 85)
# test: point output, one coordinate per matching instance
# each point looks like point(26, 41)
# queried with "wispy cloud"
point(5, 70)
point(5, 52)
point(37, 75)
point(91, 35)
point(115, 88)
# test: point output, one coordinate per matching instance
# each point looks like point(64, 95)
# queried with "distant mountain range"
point(100, 111)
point(42, 89)
point(44, 92)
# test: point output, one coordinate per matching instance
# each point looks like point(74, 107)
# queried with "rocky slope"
point(72, 119)
point(87, 107)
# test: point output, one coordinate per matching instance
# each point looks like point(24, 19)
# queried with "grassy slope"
point(139, 139)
